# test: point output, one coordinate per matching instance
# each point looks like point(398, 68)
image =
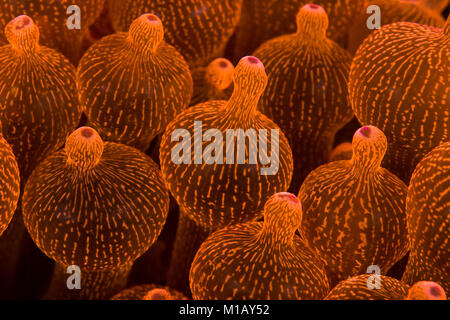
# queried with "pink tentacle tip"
point(435, 291)
point(289, 196)
point(253, 60)
point(21, 22)
point(152, 17)
point(313, 6)
point(87, 132)
point(365, 131)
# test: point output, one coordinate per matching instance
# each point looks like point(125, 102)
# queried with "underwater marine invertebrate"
point(428, 219)
point(215, 194)
point(38, 110)
point(354, 210)
point(380, 287)
point(426, 290)
point(223, 179)
point(98, 205)
point(399, 82)
point(133, 84)
point(260, 260)
point(393, 11)
point(38, 100)
point(264, 20)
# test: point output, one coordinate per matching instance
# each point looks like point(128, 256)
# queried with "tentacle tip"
point(369, 132)
point(84, 147)
point(22, 33)
point(312, 20)
point(220, 73)
point(313, 6)
point(158, 294)
point(223, 63)
point(426, 290)
point(365, 131)
point(21, 22)
point(151, 17)
point(253, 60)
point(87, 132)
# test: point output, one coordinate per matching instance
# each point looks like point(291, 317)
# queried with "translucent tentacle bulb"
point(9, 183)
point(399, 82)
point(221, 161)
point(222, 179)
point(354, 210)
point(260, 260)
point(199, 29)
point(214, 82)
point(62, 23)
point(428, 219)
point(38, 98)
point(307, 92)
point(96, 205)
point(133, 84)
